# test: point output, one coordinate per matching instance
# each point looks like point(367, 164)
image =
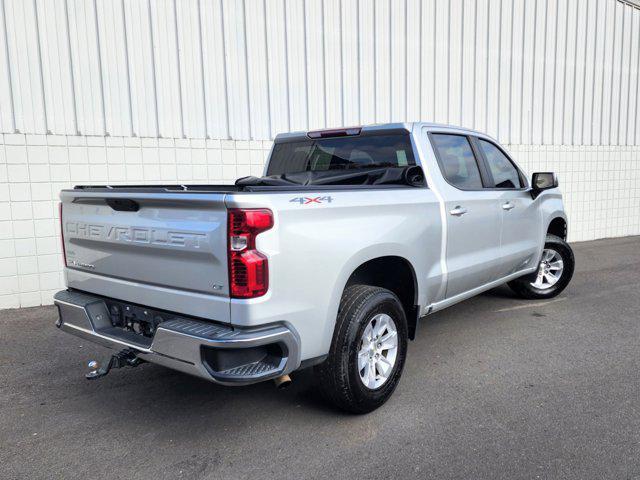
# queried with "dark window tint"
point(457, 161)
point(341, 153)
point(505, 174)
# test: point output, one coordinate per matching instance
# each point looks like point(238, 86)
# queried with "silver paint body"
point(171, 254)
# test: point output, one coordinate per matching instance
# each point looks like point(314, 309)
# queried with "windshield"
point(341, 153)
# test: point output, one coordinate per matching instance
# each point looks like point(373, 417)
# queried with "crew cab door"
point(473, 215)
point(521, 235)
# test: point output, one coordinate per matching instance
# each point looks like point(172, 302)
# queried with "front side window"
point(341, 153)
point(505, 174)
point(457, 161)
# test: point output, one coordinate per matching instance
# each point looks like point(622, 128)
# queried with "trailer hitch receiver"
point(124, 358)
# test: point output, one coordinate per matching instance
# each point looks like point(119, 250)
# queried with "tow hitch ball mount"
point(124, 358)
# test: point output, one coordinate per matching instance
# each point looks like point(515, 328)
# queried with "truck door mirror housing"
point(543, 181)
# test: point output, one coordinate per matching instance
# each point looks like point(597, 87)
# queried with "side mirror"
point(542, 181)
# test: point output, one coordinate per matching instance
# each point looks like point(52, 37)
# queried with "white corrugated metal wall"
point(142, 91)
point(528, 72)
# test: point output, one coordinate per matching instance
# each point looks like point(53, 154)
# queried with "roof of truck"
point(378, 128)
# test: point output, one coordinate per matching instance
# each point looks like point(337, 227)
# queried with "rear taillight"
point(64, 251)
point(248, 268)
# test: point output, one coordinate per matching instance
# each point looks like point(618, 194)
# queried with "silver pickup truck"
point(328, 260)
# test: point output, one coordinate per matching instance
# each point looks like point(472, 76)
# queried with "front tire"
point(553, 275)
point(368, 350)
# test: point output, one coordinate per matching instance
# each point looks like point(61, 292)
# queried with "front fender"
point(552, 207)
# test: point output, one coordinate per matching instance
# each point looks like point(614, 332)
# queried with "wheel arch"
point(394, 273)
point(558, 227)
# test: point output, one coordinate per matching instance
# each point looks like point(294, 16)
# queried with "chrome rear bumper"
point(215, 352)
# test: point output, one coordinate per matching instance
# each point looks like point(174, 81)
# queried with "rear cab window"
point(341, 153)
point(457, 161)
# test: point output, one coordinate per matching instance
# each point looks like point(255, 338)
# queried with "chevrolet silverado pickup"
point(328, 260)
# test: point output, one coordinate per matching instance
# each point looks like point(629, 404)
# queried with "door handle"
point(458, 211)
point(508, 206)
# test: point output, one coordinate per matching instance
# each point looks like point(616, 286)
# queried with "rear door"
point(165, 250)
point(472, 212)
point(521, 219)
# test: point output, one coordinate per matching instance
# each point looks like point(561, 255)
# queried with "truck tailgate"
point(166, 250)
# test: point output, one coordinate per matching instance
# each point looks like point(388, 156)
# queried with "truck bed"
point(356, 178)
point(173, 188)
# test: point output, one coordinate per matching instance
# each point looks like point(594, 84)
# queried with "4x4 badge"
point(308, 200)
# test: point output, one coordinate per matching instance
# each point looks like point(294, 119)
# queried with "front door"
point(521, 219)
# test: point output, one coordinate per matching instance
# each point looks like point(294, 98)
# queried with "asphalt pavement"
point(495, 387)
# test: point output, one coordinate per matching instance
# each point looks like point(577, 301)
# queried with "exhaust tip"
point(282, 382)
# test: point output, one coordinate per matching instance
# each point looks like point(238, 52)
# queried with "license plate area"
point(135, 319)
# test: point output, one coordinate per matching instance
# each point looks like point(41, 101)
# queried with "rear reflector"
point(248, 268)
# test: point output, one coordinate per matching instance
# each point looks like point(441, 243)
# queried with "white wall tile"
point(5, 211)
point(7, 249)
point(9, 301)
point(98, 173)
point(78, 155)
point(41, 192)
point(15, 154)
point(18, 173)
point(115, 155)
point(42, 209)
point(47, 263)
point(58, 155)
point(50, 281)
point(27, 265)
point(20, 192)
point(39, 173)
point(117, 173)
point(8, 267)
point(21, 211)
point(25, 247)
point(59, 173)
point(9, 285)
point(47, 245)
point(46, 298)
point(45, 227)
point(31, 299)
point(168, 172)
point(59, 140)
point(14, 139)
point(79, 173)
point(38, 155)
point(23, 229)
point(132, 155)
point(6, 229)
point(29, 283)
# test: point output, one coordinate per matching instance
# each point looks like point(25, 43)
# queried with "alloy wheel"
point(549, 271)
point(378, 351)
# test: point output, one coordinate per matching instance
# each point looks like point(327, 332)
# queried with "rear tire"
point(364, 367)
point(553, 275)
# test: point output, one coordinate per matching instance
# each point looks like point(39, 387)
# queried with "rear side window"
point(505, 174)
point(457, 161)
point(341, 153)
